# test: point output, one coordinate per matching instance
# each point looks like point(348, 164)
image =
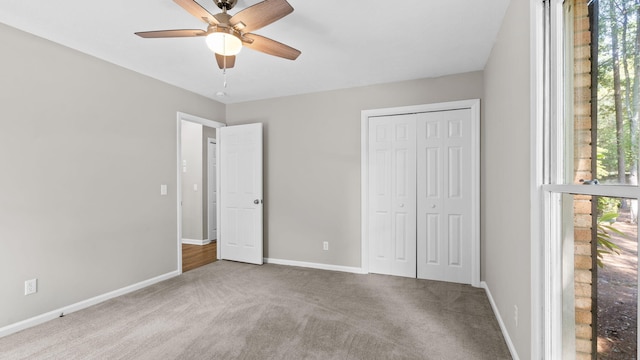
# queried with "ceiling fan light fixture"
point(223, 43)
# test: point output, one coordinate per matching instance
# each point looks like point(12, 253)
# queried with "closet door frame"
point(474, 106)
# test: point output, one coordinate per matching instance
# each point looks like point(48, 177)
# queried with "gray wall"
point(506, 175)
point(312, 162)
point(192, 199)
point(84, 147)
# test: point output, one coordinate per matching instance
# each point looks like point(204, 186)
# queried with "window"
point(590, 142)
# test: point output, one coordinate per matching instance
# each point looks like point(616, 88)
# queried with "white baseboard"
point(348, 269)
point(196, 242)
point(503, 328)
point(37, 320)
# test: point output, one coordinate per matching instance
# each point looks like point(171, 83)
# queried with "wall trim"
point(348, 269)
point(196, 242)
point(42, 318)
point(503, 328)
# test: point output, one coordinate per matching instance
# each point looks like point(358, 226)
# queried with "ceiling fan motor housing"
point(226, 4)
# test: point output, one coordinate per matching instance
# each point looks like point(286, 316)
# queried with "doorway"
point(194, 241)
point(415, 171)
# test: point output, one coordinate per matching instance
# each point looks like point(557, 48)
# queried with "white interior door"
point(445, 202)
point(392, 195)
point(213, 195)
point(240, 228)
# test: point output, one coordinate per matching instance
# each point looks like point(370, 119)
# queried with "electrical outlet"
point(325, 245)
point(515, 314)
point(31, 286)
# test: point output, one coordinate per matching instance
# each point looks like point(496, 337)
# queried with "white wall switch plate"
point(325, 245)
point(163, 189)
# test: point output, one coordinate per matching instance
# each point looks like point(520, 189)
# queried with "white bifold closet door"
point(420, 200)
point(392, 195)
point(444, 195)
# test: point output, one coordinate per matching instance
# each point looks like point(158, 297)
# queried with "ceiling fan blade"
point(271, 47)
point(171, 33)
point(196, 10)
point(261, 14)
point(230, 61)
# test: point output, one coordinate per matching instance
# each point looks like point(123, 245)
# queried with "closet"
point(422, 198)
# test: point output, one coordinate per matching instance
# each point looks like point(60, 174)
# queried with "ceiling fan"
point(226, 34)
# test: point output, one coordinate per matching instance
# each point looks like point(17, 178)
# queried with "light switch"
point(163, 189)
point(195, 187)
point(184, 169)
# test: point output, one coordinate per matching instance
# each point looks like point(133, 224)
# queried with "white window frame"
point(549, 185)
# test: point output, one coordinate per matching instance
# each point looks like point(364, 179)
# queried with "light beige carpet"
point(228, 310)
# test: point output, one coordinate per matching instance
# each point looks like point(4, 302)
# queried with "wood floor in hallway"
point(194, 256)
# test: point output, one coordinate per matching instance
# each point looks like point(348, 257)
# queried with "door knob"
point(401, 205)
point(433, 206)
point(256, 201)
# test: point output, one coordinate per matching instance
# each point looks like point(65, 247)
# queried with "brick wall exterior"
point(583, 221)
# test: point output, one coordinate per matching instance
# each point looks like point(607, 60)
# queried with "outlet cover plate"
point(31, 286)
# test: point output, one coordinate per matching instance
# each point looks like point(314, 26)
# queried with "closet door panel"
point(444, 203)
point(392, 195)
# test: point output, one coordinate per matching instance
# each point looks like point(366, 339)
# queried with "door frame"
point(212, 143)
point(474, 106)
point(202, 121)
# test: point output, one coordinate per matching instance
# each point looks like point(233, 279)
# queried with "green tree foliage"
point(607, 215)
point(618, 93)
point(605, 245)
point(618, 104)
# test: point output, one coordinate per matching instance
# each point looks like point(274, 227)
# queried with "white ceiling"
point(344, 43)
